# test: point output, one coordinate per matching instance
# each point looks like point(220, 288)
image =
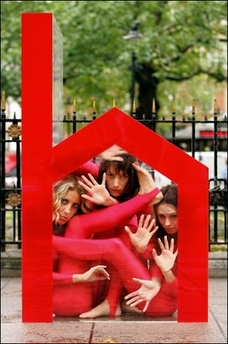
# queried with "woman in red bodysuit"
point(70, 299)
point(166, 214)
point(123, 184)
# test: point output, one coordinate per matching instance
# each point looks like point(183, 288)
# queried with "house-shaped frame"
point(43, 164)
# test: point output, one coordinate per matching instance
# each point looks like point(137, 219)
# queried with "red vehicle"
point(10, 169)
point(10, 162)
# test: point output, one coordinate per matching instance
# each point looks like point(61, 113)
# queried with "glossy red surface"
point(44, 164)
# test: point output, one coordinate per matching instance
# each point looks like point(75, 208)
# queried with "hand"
point(146, 182)
point(112, 152)
point(146, 292)
point(95, 273)
point(142, 236)
point(167, 258)
point(98, 193)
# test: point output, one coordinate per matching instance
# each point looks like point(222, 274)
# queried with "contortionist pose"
point(72, 293)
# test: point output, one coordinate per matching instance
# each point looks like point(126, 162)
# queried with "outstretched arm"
point(95, 273)
point(82, 226)
point(149, 289)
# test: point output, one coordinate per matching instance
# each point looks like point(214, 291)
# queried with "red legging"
point(112, 289)
point(127, 265)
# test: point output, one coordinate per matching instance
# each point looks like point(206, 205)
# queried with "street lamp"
point(134, 35)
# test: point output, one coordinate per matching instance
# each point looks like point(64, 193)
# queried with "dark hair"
point(132, 187)
point(170, 196)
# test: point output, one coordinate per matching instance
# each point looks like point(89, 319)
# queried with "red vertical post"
point(37, 56)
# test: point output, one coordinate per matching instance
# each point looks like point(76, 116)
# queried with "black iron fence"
point(202, 139)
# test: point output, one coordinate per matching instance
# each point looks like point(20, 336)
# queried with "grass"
point(218, 248)
point(220, 235)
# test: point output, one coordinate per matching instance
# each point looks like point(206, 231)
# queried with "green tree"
point(182, 43)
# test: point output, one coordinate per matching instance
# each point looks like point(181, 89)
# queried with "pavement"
point(123, 329)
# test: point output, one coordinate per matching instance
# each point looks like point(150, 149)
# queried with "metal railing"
point(10, 216)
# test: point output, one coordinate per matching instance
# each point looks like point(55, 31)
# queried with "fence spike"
point(94, 106)
point(153, 106)
point(215, 107)
point(193, 106)
point(173, 106)
point(3, 101)
point(74, 106)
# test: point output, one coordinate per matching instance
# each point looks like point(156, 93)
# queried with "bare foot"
point(101, 310)
point(128, 309)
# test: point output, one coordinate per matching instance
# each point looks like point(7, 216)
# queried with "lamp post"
point(134, 35)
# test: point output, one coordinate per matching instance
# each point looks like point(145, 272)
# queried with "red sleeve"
point(83, 226)
point(62, 279)
point(155, 270)
point(148, 210)
point(88, 167)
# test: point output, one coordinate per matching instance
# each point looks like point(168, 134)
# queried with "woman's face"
point(69, 206)
point(116, 182)
point(167, 217)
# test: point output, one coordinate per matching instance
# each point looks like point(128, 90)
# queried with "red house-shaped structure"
point(43, 164)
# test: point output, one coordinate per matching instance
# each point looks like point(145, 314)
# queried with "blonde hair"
point(60, 189)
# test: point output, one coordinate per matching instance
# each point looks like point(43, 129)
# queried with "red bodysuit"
point(73, 299)
point(105, 289)
point(127, 265)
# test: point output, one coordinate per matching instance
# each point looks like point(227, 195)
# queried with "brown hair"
point(170, 196)
point(132, 187)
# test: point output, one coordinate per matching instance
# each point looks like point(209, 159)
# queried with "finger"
point(103, 179)
point(161, 244)
point(166, 242)
point(137, 280)
point(89, 198)
point(154, 231)
point(84, 185)
point(116, 158)
point(136, 165)
point(136, 303)
point(92, 179)
point(127, 229)
point(146, 306)
point(171, 245)
point(141, 219)
point(87, 181)
point(129, 296)
point(133, 301)
point(106, 276)
point(154, 253)
point(151, 223)
point(147, 223)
